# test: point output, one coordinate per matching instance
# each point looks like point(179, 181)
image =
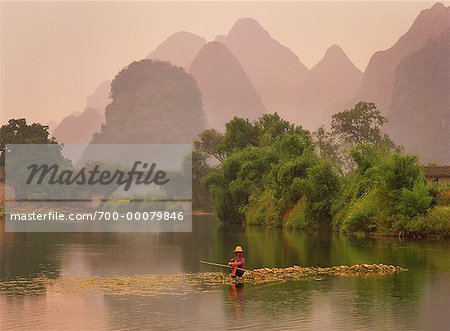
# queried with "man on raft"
point(237, 263)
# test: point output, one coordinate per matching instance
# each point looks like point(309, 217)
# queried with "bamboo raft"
point(264, 275)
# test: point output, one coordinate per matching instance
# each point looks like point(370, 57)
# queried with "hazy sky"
point(54, 54)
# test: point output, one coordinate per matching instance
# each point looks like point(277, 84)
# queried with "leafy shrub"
point(416, 201)
point(263, 210)
point(442, 196)
point(360, 216)
point(321, 188)
point(296, 217)
point(435, 223)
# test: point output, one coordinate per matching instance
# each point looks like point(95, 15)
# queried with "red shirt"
point(240, 260)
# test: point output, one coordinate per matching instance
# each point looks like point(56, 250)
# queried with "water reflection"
point(237, 298)
point(417, 299)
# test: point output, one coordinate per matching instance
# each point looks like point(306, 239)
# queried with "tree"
point(241, 175)
point(321, 188)
point(361, 124)
point(385, 193)
point(262, 159)
point(239, 133)
point(17, 131)
point(211, 144)
point(351, 128)
point(200, 169)
point(270, 127)
point(326, 145)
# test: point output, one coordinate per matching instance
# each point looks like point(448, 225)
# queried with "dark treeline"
point(351, 178)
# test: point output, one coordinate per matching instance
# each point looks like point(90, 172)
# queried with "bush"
point(321, 188)
point(435, 223)
point(263, 210)
point(360, 216)
point(383, 195)
point(416, 201)
point(442, 195)
point(295, 218)
point(272, 176)
point(240, 176)
point(290, 177)
point(350, 187)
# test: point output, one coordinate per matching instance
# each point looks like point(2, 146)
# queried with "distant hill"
point(78, 128)
point(420, 110)
point(328, 87)
point(274, 70)
point(378, 81)
point(51, 126)
point(179, 49)
point(226, 89)
point(99, 99)
point(152, 102)
point(247, 72)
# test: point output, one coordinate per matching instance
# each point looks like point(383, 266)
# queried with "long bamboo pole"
point(220, 265)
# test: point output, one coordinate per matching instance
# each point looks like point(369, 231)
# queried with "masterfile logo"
point(132, 188)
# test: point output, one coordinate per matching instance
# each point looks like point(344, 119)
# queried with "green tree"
point(321, 188)
point(350, 128)
point(239, 133)
point(200, 169)
point(271, 127)
point(384, 193)
point(262, 161)
point(326, 146)
point(211, 144)
point(361, 124)
point(17, 131)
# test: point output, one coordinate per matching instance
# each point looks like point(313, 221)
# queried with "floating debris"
point(183, 283)
point(141, 285)
point(24, 286)
point(265, 275)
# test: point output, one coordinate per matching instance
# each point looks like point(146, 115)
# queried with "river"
point(417, 299)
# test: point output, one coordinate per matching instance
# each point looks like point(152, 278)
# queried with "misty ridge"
point(188, 84)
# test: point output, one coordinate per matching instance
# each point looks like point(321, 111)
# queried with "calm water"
point(416, 299)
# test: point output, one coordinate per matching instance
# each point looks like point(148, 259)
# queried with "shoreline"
point(401, 235)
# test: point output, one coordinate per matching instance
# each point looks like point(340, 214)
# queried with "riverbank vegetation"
point(350, 178)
